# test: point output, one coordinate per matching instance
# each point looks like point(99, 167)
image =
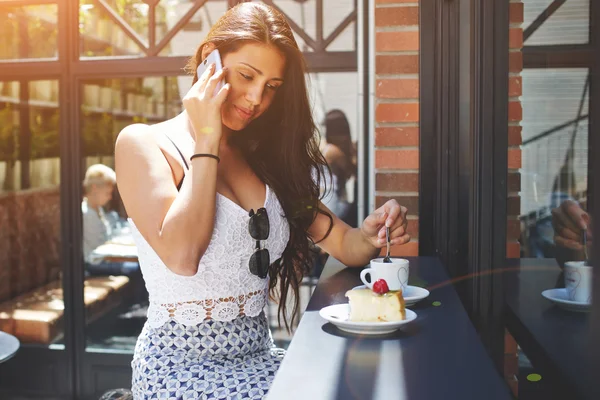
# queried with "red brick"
point(397, 88)
point(397, 112)
point(397, 136)
point(515, 111)
point(514, 182)
point(397, 41)
point(404, 64)
point(515, 86)
point(511, 365)
point(516, 12)
point(515, 38)
point(513, 229)
point(397, 159)
point(514, 158)
point(397, 16)
point(397, 182)
point(514, 135)
point(513, 206)
point(515, 61)
point(510, 344)
point(513, 250)
point(410, 202)
point(413, 228)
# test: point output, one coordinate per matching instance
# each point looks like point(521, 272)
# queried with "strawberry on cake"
point(377, 305)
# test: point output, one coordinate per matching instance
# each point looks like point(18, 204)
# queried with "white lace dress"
point(207, 336)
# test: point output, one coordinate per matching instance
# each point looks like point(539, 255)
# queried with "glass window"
point(187, 39)
point(114, 292)
point(31, 301)
point(548, 293)
point(549, 22)
point(28, 32)
point(101, 36)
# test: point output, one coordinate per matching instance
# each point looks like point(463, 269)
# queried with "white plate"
point(559, 297)
point(337, 314)
point(412, 295)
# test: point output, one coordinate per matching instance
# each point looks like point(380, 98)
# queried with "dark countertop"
point(439, 356)
point(555, 340)
point(9, 345)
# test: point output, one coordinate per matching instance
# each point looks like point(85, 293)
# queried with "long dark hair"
point(337, 133)
point(281, 145)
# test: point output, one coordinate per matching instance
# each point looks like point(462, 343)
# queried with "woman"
point(211, 194)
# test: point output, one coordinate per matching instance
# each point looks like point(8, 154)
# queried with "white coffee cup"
point(578, 281)
point(395, 273)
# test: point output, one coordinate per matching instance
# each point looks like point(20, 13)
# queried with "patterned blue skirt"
point(212, 360)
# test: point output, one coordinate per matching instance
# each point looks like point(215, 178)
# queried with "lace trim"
point(221, 309)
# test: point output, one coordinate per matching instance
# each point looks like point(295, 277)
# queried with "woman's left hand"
point(390, 214)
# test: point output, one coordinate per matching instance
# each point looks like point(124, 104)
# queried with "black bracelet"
point(205, 155)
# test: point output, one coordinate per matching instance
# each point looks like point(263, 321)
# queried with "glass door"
point(551, 207)
point(32, 294)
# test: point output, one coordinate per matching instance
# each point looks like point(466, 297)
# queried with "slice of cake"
point(368, 306)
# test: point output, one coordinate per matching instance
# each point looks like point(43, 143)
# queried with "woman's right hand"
point(569, 221)
point(204, 107)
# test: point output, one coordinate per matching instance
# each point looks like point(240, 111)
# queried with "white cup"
point(395, 273)
point(578, 281)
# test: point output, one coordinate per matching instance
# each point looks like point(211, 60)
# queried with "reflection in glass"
point(187, 39)
point(554, 151)
point(548, 190)
point(335, 98)
point(115, 296)
point(101, 36)
point(31, 302)
point(28, 32)
point(556, 22)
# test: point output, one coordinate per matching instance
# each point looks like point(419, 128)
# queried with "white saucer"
point(559, 297)
point(412, 294)
point(337, 314)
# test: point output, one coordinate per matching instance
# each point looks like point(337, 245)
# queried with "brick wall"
point(515, 116)
point(397, 110)
point(397, 114)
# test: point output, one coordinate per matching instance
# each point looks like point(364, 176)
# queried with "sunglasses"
point(258, 227)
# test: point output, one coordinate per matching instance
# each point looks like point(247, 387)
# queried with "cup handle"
point(363, 277)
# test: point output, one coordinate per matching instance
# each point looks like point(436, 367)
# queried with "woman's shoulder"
point(140, 136)
point(133, 136)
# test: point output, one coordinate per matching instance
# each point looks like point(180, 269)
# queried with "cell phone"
point(213, 57)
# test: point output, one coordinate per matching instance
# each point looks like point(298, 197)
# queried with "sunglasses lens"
point(259, 263)
point(258, 226)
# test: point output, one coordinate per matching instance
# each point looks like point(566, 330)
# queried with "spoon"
point(586, 261)
point(387, 258)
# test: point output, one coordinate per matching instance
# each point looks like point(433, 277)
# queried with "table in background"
point(118, 249)
point(439, 356)
point(555, 340)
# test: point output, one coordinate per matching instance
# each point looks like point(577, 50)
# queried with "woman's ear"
point(206, 50)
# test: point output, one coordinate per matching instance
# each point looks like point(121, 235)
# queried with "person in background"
point(99, 226)
point(569, 221)
point(339, 152)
